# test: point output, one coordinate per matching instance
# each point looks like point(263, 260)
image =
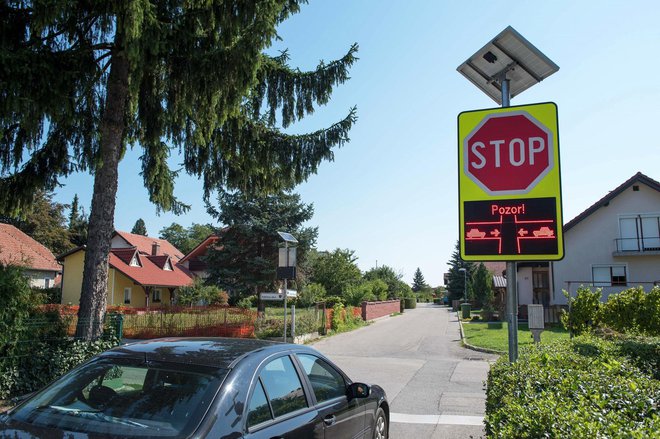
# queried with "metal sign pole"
point(286, 249)
point(511, 269)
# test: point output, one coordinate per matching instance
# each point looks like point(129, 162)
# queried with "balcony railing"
point(645, 244)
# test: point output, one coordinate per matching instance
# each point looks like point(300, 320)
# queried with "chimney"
point(155, 248)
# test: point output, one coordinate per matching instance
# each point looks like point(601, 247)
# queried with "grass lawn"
point(494, 336)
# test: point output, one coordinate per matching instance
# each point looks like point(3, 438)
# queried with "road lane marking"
point(403, 418)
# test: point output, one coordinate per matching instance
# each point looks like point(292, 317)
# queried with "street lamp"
point(464, 284)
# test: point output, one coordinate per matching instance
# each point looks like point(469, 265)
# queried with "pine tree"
point(81, 81)
point(77, 223)
point(246, 260)
point(139, 228)
point(482, 285)
point(456, 287)
point(418, 281)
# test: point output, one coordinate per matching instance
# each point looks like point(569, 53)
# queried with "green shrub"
point(337, 320)
point(633, 311)
point(310, 294)
point(585, 310)
point(354, 295)
point(47, 361)
point(51, 295)
point(582, 389)
point(410, 303)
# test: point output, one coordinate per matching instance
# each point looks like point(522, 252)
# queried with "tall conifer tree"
point(245, 260)
point(140, 228)
point(82, 80)
point(418, 281)
point(456, 286)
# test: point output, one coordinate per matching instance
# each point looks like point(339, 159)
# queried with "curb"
point(472, 347)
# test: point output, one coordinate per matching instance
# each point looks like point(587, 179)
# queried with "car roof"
point(210, 351)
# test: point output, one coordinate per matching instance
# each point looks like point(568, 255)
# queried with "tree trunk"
point(94, 292)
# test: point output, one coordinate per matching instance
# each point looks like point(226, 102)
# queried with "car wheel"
point(381, 427)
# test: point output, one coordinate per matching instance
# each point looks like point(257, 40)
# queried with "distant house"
point(194, 261)
point(17, 248)
point(614, 244)
point(143, 272)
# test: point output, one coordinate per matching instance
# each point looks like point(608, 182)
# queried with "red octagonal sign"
point(508, 153)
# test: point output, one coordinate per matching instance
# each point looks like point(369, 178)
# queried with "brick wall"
point(373, 310)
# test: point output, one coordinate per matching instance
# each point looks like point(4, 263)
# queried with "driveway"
point(434, 385)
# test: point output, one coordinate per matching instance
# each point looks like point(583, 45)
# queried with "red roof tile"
point(150, 274)
point(18, 248)
point(159, 260)
point(125, 254)
point(145, 243)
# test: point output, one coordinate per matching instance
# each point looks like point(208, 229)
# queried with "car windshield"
point(125, 398)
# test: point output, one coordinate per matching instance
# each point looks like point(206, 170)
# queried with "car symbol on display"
point(476, 233)
point(544, 231)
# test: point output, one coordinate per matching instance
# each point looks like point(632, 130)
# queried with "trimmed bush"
point(582, 389)
point(410, 303)
point(585, 310)
point(631, 311)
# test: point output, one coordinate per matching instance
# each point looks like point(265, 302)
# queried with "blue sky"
point(391, 193)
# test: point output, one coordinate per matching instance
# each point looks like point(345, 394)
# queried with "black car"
point(203, 387)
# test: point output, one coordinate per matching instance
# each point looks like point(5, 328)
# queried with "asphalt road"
point(434, 386)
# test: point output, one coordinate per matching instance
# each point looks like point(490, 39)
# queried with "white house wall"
point(525, 286)
point(592, 242)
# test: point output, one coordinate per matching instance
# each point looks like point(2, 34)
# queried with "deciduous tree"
point(335, 270)
point(83, 80)
point(186, 239)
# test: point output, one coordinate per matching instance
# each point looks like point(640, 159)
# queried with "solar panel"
point(510, 54)
point(288, 237)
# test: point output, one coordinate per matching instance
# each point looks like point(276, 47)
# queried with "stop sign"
point(508, 153)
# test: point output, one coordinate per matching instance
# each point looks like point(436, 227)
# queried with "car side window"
point(258, 410)
point(326, 381)
point(283, 386)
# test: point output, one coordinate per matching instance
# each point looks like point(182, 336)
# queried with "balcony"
point(643, 246)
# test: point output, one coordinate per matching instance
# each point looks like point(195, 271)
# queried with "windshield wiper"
point(97, 415)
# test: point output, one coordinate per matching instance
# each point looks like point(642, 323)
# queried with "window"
point(283, 386)
point(258, 410)
point(46, 282)
point(639, 233)
point(327, 383)
point(127, 295)
point(135, 261)
point(609, 275)
point(156, 295)
point(126, 397)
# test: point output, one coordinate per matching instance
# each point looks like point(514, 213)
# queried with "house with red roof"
point(194, 261)
point(17, 248)
point(143, 272)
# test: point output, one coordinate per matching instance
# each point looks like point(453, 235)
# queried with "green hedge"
point(631, 311)
point(410, 303)
point(587, 388)
point(46, 361)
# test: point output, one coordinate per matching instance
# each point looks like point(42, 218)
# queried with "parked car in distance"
point(203, 387)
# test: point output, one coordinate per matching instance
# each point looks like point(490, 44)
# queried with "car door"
point(342, 418)
point(278, 407)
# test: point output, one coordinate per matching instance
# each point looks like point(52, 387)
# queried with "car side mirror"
point(358, 390)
